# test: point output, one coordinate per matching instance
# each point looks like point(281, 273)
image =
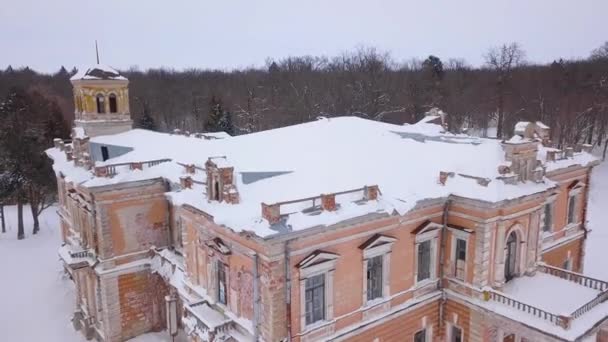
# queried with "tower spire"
point(96, 51)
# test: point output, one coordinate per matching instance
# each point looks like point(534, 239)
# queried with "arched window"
point(511, 257)
point(101, 105)
point(113, 104)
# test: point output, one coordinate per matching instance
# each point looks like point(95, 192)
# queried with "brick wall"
point(558, 255)
point(402, 327)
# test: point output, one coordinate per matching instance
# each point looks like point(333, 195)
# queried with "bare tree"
point(503, 60)
point(601, 52)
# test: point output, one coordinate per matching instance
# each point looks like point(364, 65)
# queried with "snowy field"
point(37, 301)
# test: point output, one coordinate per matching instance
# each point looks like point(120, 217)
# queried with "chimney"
point(101, 171)
point(551, 156)
point(443, 176)
point(185, 182)
point(136, 166)
point(271, 212)
point(370, 193)
point(190, 168)
point(69, 155)
point(569, 152)
point(57, 142)
point(220, 181)
point(328, 202)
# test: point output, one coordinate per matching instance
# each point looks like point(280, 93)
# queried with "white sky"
point(225, 34)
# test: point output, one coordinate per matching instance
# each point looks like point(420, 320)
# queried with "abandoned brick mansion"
point(341, 229)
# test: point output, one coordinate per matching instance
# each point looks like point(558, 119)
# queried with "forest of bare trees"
point(571, 96)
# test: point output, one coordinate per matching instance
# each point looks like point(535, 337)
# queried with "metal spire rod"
point(96, 51)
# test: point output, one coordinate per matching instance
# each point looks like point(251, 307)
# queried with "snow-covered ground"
point(37, 300)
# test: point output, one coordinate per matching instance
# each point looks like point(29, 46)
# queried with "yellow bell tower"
point(101, 101)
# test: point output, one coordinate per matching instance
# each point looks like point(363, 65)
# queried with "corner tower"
point(101, 101)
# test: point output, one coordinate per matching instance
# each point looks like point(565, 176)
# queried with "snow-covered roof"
point(97, 72)
point(321, 157)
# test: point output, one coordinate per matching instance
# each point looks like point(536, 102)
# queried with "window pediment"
point(218, 245)
point(317, 257)
point(425, 227)
point(377, 241)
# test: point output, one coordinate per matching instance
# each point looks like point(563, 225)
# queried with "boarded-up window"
point(315, 299)
point(374, 278)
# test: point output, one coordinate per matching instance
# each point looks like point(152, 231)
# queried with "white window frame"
point(550, 201)
point(380, 246)
point(313, 265)
point(430, 232)
point(458, 234)
point(574, 192)
point(450, 327)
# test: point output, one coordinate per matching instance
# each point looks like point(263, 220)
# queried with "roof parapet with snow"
point(327, 157)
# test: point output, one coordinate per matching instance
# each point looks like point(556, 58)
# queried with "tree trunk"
point(34, 210)
point(2, 218)
point(605, 149)
point(20, 231)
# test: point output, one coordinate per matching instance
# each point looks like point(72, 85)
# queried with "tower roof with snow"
point(98, 72)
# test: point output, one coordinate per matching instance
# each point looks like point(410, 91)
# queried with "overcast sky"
point(225, 34)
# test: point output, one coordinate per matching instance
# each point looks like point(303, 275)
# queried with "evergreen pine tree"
point(216, 112)
point(225, 124)
point(145, 120)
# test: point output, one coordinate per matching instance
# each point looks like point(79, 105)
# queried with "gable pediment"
point(426, 226)
point(219, 245)
point(317, 257)
point(376, 241)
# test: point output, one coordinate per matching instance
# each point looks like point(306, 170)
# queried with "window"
point(567, 265)
point(113, 104)
point(509, 338)
point(315, 299)
point(105, 155)
point(456, 334)
point(221, 283)
point(101, 106)
point(548, 222)
point(374, 277)
point(461, 258)
point(511, 257)
point(420, 336)
point(216, 190)
point(572, 209)
point(424, 260)
point(316, 287)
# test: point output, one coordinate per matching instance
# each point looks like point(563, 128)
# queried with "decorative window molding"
point(218, 245)
point(459, 253)
point(318, 263)
point(572, 213)
point(426, 247)
point(377, 246)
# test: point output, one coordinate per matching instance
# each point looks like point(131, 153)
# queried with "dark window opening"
point(374, 278)
point(548, 217)
point(461, 258)
point(420, 336)
point(105, 154)
point(221, 283)
point(216, 191)
point(456, 334)
point(315, 299)
point(113, 104)
point(424, 260)
point(572, 209)
point(101, 106)
point(511, 260)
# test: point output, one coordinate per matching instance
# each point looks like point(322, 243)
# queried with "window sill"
point(375, 302)
point(425, 283)
point(315, 326)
